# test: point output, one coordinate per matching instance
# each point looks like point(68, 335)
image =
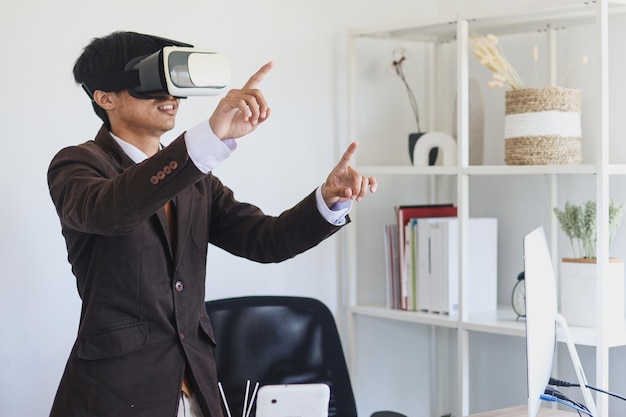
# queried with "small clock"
point(518, 297)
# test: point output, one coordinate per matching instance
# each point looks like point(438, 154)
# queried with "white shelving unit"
point(454, 34)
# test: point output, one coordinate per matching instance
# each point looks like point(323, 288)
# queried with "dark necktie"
point(170, 213)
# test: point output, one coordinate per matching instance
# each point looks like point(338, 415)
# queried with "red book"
point(405, 214)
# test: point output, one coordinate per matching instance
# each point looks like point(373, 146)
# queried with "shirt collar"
point(131, 151)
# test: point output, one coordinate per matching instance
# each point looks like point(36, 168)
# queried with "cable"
point(552, 398)
point(549, 391)
point(560, 383)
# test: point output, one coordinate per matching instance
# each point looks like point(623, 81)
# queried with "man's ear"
point(104, 99)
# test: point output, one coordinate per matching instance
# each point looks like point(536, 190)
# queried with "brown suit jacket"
point(143, 323)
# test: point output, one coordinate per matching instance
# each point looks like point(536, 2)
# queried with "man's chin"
point(169, 126)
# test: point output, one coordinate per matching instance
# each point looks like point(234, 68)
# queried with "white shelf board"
point(617, 169)
point(407, 170)
point(559, 15)
point(380, 311)
point(485, 170)
point(502, 322)
point(588, 336)
point(529, 169)
point(421, 31)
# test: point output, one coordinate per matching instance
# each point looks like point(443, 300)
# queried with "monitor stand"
point(580, 373)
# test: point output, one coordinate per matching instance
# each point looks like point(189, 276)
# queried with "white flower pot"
point(578, 292)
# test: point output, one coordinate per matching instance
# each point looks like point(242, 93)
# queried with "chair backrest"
point(279, 340)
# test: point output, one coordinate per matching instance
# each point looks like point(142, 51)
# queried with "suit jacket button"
point(179, 286)
point(173, 164)
point(160, 175)
point(167, 169)
point(154, 180)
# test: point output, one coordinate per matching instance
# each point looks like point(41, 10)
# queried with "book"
point(447, 297)
point(406, 261)
point(410, 263)
point(388, 275)
point(437, 259)
point(412, 272)
point(390, 236)
point(422, 274)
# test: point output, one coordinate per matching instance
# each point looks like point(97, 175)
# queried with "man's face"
point(143, 116)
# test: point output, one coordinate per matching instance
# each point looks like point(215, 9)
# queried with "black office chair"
point(280, 340)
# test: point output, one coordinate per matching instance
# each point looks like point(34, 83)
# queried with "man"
point(137, 219)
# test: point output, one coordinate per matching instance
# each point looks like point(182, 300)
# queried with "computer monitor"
point(542, 319)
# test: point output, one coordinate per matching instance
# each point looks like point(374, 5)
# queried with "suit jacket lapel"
point(162, 217)
point(183, 221)
point(110, 146)
point(182, 200)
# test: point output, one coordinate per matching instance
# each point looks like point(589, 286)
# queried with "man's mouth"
point(166, 107)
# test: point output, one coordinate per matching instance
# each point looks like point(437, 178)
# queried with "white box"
point(482, 265)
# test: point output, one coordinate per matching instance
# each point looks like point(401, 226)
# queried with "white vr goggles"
point(179, 71)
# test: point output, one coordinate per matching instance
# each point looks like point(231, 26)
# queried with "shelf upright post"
point(602, 202)
point(462, 36)
point(433, 92)
point(436, 185)
point(349, 293)
point(554, 179)
point(553, 82)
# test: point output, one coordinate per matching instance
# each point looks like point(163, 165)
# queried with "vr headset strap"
point(115, 81)
point(123, 80)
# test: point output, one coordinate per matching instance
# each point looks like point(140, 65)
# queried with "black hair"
point(110, 54)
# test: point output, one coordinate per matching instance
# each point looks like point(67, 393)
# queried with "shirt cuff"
point(205, 149)
point(336, 215)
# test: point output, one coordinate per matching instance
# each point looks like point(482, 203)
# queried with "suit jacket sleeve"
point(244, 230)
point(97, 189)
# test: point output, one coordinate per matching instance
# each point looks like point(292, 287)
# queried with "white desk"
point(522, 411)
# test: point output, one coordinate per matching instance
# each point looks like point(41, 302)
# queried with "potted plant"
point(578, 274)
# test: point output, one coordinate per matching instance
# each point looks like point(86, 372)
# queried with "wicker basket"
point(542, 126)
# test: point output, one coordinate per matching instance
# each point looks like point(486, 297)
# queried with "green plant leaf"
point(579, 225)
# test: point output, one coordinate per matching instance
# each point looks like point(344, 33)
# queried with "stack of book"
point(422, 260)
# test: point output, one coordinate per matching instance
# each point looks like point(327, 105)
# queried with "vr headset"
point(179, 71)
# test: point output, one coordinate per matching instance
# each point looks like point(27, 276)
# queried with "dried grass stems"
point(489, 54)
point(399, 58)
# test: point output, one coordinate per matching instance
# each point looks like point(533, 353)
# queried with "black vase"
point(432, 155)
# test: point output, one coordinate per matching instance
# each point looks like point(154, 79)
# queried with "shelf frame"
point(456, 29)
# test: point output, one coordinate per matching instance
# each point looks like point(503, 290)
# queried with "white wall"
point(42, 110)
